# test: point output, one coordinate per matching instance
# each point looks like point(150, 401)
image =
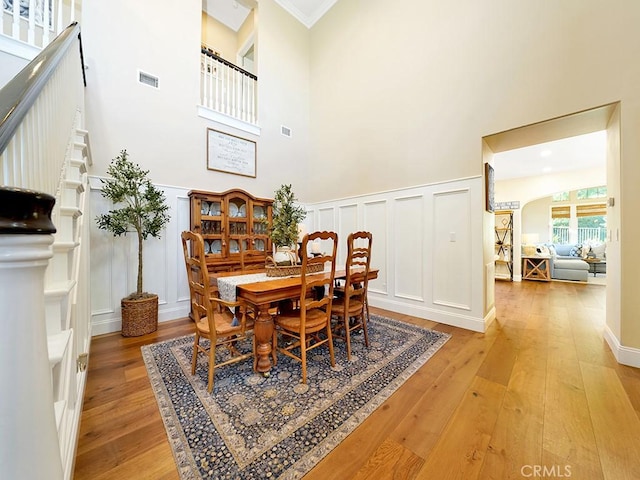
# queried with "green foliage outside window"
point(560, 197)
point(593, 192)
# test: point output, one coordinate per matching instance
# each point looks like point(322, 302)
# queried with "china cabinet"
point(227, 221)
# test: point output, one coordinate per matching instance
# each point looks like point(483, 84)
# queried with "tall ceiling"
point(233, 12)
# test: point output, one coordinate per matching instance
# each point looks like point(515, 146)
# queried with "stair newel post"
point(31, 449)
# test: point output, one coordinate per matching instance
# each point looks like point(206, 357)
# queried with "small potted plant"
point(144, 212)
point(284, 225)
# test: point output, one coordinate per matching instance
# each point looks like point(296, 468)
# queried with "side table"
point(536, 268)
point(596, 265)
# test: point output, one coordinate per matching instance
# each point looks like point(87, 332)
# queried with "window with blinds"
point(594, 210)
point(563, 211)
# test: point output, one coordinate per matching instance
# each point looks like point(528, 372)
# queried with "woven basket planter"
point(289, 270)
point(139, 317)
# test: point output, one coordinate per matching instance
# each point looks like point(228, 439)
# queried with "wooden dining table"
point(263, 295)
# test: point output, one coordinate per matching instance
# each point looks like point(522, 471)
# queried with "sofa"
point(566, 262)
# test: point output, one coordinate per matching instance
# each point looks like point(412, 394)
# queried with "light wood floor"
point(539, 392)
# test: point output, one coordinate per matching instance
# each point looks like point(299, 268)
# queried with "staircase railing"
point(36, 22)
point(43, 147)
point(227, 88)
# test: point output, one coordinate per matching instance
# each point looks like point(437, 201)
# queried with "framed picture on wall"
point(230, 154)
point(488, 188)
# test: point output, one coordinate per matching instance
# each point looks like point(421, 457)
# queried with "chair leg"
point(347, 335)
point(212, 367)
point(303, 356)
point(365, 328)
point(330, 341)
point(194, 358)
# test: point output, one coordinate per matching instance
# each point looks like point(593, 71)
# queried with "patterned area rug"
point(256, 427)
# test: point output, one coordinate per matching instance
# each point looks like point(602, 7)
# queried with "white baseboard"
point(114, 324)
point(453, 319)
point(624, 355)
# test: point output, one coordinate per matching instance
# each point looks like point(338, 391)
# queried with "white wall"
point(160, 128)
point(11, 65)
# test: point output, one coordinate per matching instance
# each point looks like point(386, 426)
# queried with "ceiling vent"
point(286, 131)
point(147, 79)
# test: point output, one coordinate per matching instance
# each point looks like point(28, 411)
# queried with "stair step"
point(58, 343)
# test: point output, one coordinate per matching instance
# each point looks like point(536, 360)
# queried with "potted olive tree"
point(284, 224)
point(143, 210)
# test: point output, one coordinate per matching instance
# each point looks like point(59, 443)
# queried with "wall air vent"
point(147, 79)
point(286, 131)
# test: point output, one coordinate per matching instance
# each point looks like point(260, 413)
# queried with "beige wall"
point(219, 37)
point(160, 128)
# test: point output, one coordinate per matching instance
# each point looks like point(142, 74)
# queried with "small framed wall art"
point(488, 188)
point(230, 154)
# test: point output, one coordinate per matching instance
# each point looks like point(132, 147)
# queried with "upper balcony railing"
point(227, 88)
point(37, 22)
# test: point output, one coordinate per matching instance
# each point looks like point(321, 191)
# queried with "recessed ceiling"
point(232, 13)
point(573, 153)
point(308, 12)
point(229, 12)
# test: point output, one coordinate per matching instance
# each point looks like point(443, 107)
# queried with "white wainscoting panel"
point(184, 222)
point(375, 221)
point(451, 248)
point(114, 264)
point(408, 241)
point(427, 245)
point(325, 219)
point(348, 223)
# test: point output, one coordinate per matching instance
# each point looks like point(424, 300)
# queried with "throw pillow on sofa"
point(576, 251)
point(599, 250)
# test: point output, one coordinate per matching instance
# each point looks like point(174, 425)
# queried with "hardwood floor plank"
point(615, 422)
point(421, 428)
point(568, 441)
point(390, 460)
point(518, 433)
point(460, 452)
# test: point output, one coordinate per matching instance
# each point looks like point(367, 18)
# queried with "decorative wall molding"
point(427, 244)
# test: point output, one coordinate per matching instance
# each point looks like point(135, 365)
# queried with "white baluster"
point(31, 33)
point(218, 71)
point(15, 28)
point(60, 25)
point(45, 23)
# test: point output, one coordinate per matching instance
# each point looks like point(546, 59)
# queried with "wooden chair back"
point(250, 257)
point(311, 284)
point(357, 264)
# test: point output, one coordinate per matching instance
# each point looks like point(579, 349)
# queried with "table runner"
point(227, 285)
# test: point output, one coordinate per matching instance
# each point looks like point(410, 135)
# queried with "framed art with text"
point(230, 154)
point(488, 188)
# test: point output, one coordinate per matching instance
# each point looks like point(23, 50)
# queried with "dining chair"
point(250, 257)
point(351, 309)
point(300, 329)
point(215, 319)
